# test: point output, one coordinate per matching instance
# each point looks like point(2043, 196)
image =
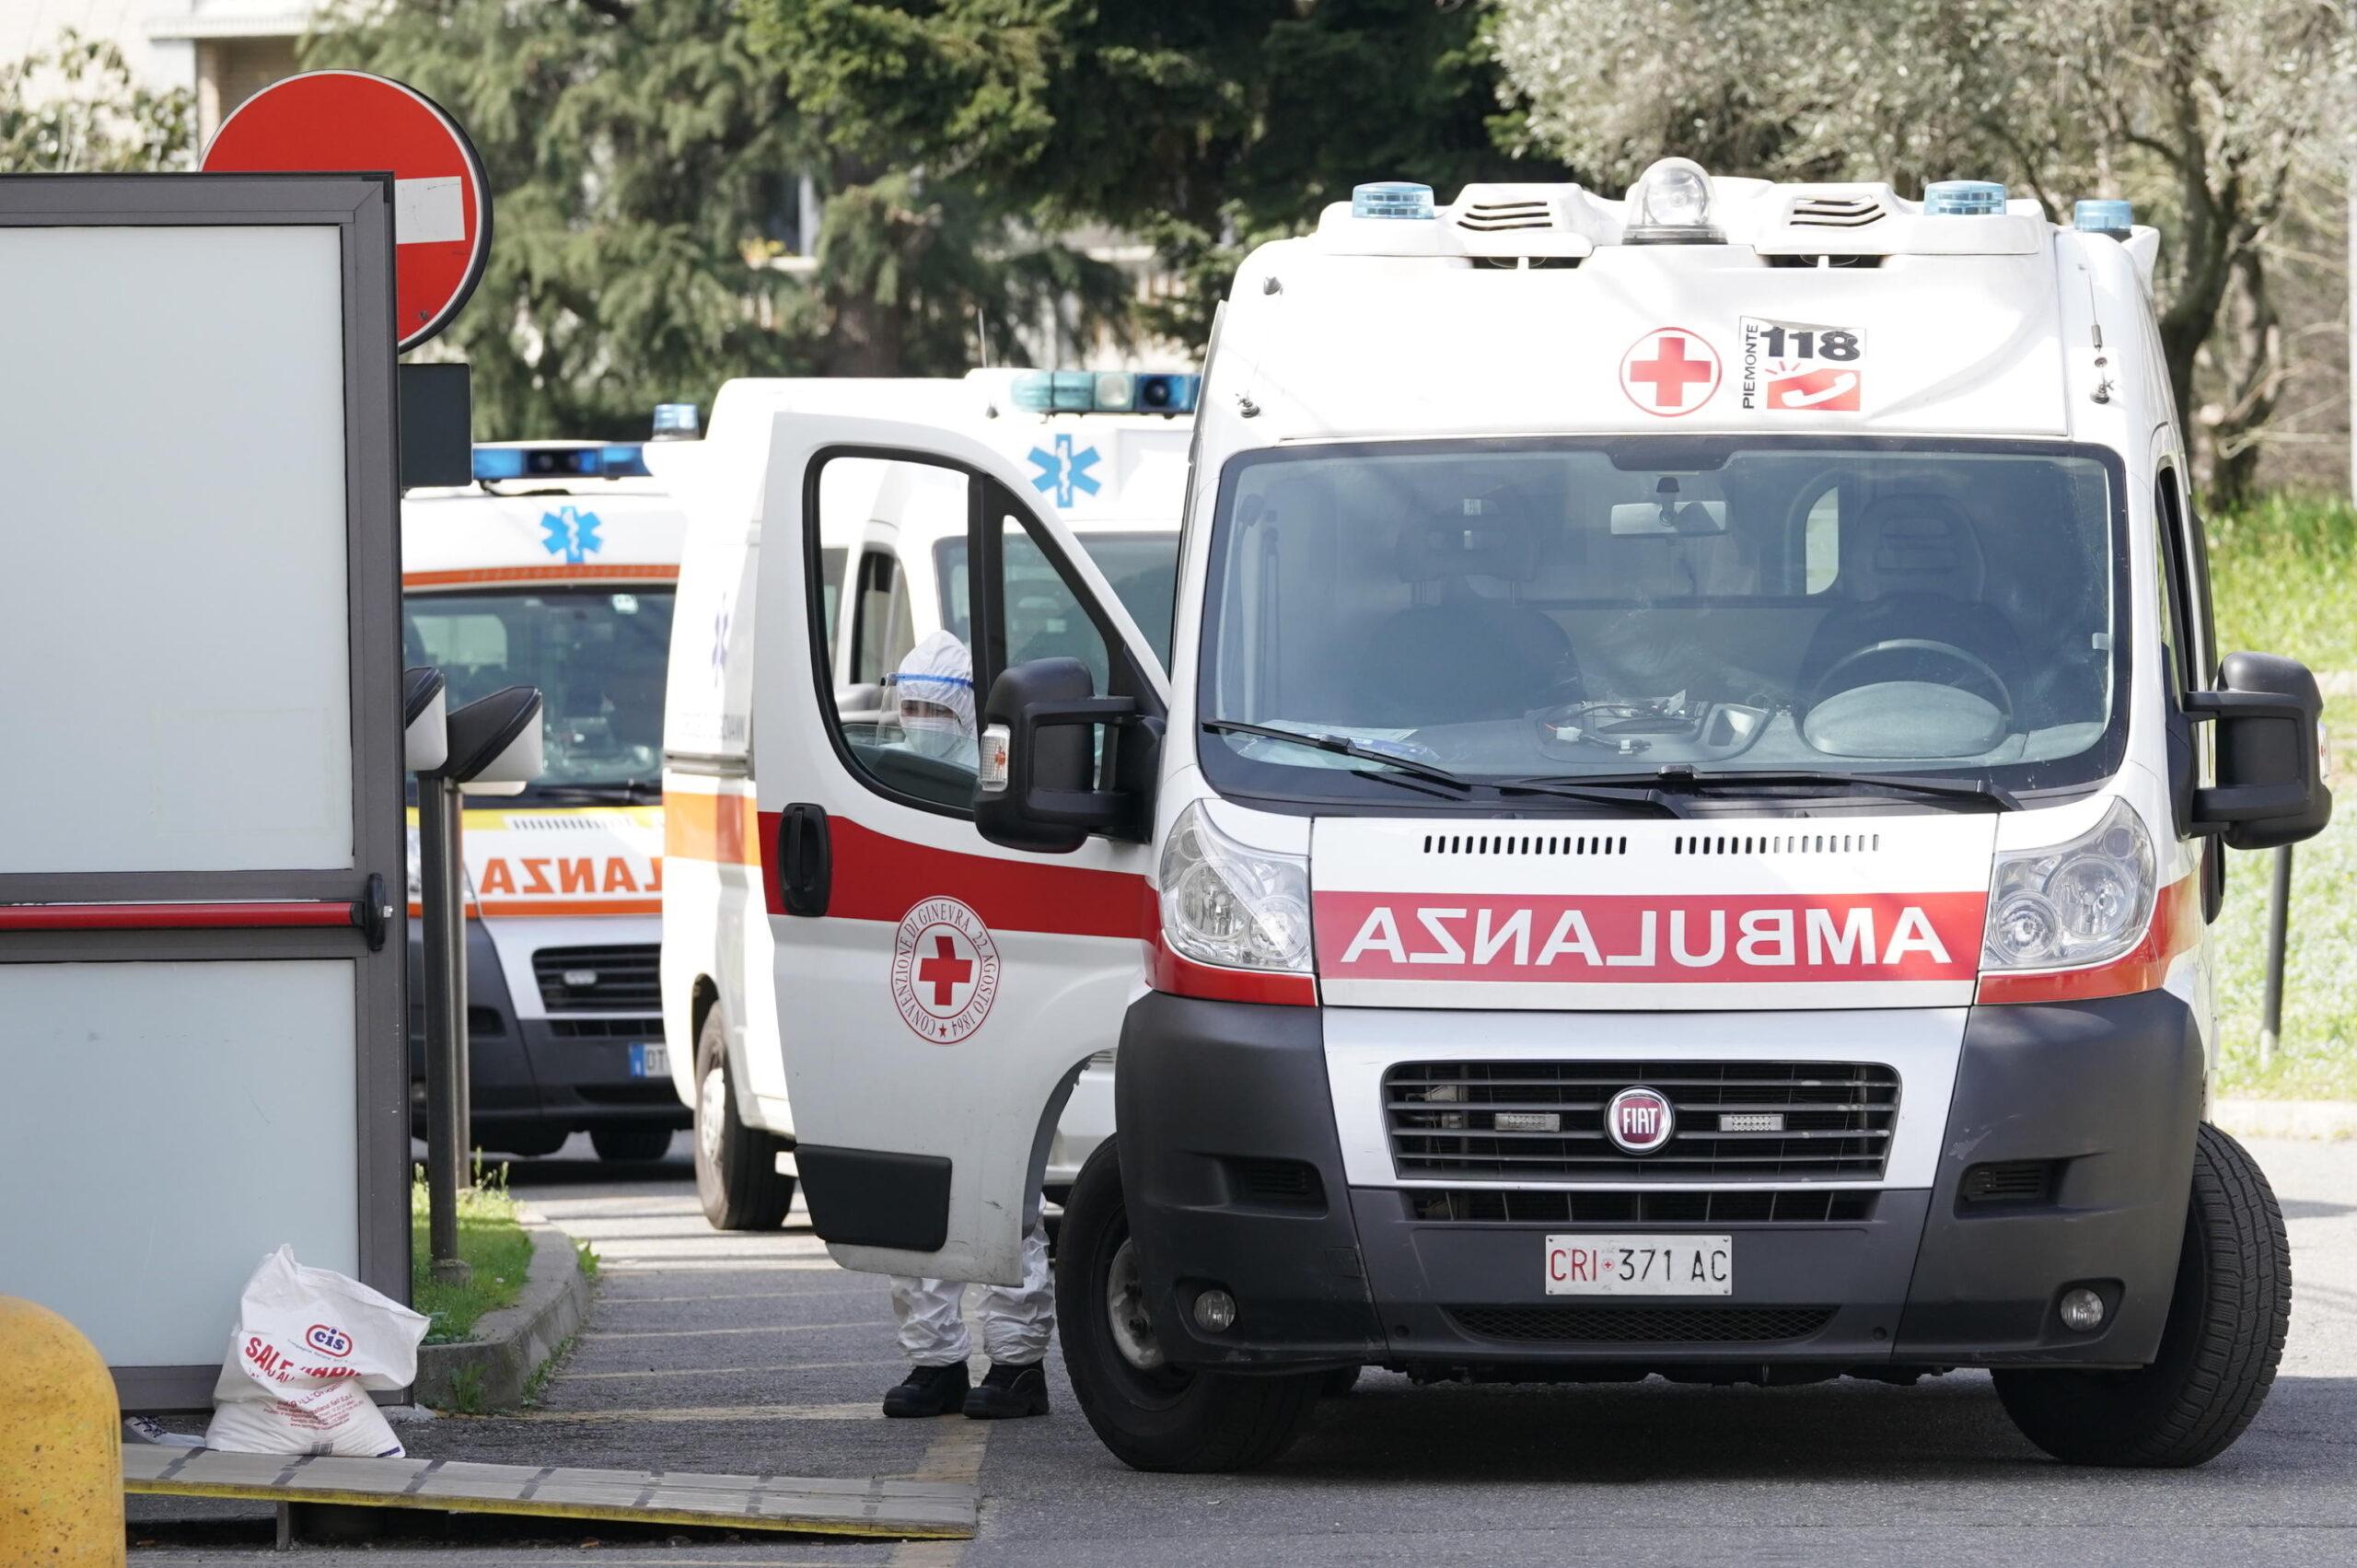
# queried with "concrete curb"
point(2332, 1120)
point(512, 1343)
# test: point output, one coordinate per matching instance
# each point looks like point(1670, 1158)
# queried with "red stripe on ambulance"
point(1637, 939)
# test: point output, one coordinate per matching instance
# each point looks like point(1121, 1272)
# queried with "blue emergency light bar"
point(1106, 391)
point(1392, 199)
point(620, 459)
point(2103, 214)
point(1963, 198)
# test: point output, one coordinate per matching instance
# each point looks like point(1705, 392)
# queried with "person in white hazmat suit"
point(933, 693)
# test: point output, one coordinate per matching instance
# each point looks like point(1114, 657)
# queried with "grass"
point(2285, 579)
point(490, 1240)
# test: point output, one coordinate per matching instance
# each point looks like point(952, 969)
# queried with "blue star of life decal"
point(1064, 472)
point(572, 533)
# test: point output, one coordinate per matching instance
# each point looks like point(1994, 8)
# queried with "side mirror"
point(495, 742)
point(2271, 781)
point(426, 737)
point(1037, 788)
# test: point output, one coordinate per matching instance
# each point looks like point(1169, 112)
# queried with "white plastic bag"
point(309, 1346)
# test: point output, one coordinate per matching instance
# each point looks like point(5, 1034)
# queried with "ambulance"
point(1677, 835)
point(556, 569)
point(1105, 453)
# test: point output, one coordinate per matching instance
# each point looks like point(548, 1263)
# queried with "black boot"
point(928, 1390)
point(1009, 1390)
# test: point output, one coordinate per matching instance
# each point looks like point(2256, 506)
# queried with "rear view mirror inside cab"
point(1668, 519)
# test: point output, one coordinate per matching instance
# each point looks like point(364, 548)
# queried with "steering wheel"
point(1964, 657)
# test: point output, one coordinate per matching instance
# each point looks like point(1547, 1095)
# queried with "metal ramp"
point(888, 1509)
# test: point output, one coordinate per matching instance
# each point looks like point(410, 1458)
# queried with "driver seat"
point(1913, 569)
point(1457, 654)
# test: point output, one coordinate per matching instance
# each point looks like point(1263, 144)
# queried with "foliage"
point(75, 109)
point(645, 166)
point(491, 1240)
point(1198, 127)
point(2281, 573)
point(2207, 110)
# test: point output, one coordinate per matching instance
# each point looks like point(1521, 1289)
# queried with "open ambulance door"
point(937, 993)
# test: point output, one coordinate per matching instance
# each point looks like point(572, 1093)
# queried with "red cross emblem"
point(944, 970)
point(1670, 371)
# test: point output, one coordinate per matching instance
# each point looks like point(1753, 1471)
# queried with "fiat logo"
point(1639, 1121)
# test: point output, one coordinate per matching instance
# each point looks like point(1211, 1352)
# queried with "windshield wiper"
point(634, 790)
point(1686, 779)
point(1343, 746)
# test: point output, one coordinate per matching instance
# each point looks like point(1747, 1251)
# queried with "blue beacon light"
point(1963, 198)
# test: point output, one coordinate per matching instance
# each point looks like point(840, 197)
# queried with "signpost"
point(347, 121)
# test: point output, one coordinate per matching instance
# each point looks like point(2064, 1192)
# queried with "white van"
point(555, 569)
point(1106, 452)
point(1678, 834)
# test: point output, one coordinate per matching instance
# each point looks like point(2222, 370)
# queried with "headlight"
point(1222, 903)
point(2074, 904)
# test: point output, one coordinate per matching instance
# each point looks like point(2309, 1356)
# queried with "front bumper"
point(535, 1077)
point(1222, 1105)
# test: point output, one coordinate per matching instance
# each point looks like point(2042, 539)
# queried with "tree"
point(77, 109)
point(645, 168)
point(1198, 127)
point(2210, 111)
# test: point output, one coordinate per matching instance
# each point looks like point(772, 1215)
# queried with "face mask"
point(932, 732)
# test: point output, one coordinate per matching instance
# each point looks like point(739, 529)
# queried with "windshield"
point(596, 655)
point(1670, 608)
point(1141, 567)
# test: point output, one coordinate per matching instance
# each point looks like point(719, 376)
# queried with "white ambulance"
point(1676, 835)
point(1104, 452)
point(555, 569)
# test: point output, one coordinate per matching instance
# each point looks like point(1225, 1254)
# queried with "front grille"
point(1479, 1205)
point(607, 1029)
point(1785, 1120)
point(1642, 1325)
point(606, 979)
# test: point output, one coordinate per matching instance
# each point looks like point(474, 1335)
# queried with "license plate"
point(650, 1061)
point(1640, 1265)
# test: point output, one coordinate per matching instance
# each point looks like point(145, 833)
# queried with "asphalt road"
point(714, 1352)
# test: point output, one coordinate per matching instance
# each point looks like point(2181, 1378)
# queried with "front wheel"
point(2219, 1348)
point(737, 1176)
point(1152, 1415)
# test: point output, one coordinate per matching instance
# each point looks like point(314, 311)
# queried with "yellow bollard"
point(61, 1444)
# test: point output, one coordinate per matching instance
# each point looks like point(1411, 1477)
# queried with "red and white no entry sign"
point(346, 121)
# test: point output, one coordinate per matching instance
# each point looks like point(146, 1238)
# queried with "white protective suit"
point(932, 692)
point(933, 695)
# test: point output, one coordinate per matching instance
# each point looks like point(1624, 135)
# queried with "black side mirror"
point(2271, 783)
point(1037, 785)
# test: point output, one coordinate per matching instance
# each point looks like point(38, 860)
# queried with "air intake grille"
point(1775, 843)
point(1786, 1120)
point(599, 979)
point(607, 1029)
point(1642, 1325)
point(1491, 217)
point(1836, 212)
point(1475, 1205)
point(1526, 844)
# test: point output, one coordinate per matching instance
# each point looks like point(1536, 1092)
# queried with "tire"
point(635, 1145)
point(2219, 1349)
point(737, 1176)
point(1158, 1417)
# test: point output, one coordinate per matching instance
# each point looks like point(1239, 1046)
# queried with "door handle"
point(805, 865)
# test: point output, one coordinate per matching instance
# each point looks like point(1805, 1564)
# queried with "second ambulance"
point(556, 569)
point(1677, 833)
